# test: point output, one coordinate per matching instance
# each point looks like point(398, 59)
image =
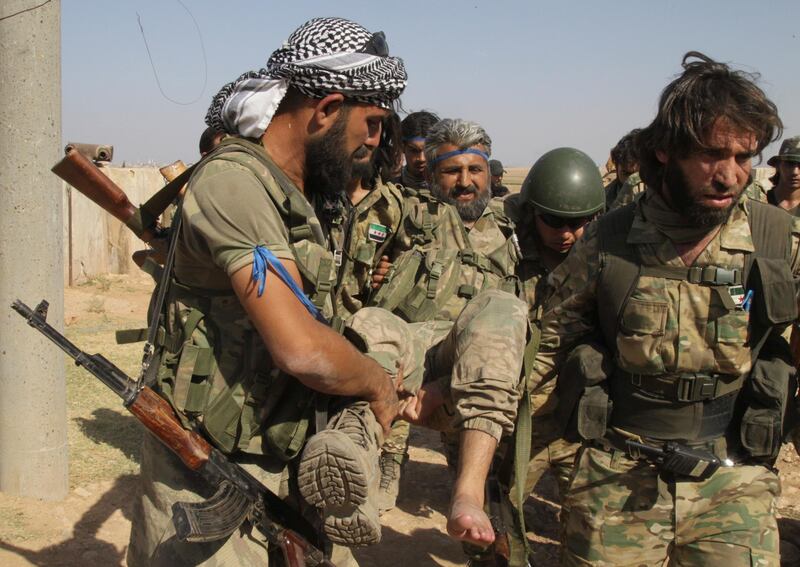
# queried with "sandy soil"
point(91, 526)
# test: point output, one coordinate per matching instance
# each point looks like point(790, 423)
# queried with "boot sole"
point(333, 479)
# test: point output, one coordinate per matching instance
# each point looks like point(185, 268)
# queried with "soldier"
point(497, 171)
point(245, 355)
point(363, 232)
point(785, 192)
point(459, 252)
point(561, 194)
point(209, 139)
point(685, 369)
point(626, 164)
point(414, 131)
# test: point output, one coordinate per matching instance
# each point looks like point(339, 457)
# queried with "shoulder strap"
point(619, 267)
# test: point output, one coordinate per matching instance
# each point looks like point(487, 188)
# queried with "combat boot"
point(338, 474)
point(391, 465)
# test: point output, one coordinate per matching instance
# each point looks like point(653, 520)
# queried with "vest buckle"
point(696, 387)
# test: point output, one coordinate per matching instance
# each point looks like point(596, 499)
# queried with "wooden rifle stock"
point(266, 510)
point(173, 170)
point(87, 178)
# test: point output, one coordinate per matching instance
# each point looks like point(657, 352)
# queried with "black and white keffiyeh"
point(323, 56)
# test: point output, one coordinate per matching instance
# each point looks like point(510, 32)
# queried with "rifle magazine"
point(212, 519)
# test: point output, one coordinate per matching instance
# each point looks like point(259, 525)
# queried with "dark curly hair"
point(624, 153)
point(706, 91)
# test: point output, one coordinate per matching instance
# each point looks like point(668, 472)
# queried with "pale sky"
point(536, 75)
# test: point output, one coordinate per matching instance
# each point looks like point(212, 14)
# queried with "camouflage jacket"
point(666, 326)
point(627, 192)
point(360, 235)
point(531, 271)
point(214, 366)
point(486, 254)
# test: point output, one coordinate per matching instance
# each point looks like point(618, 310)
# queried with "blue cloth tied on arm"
point(262, 260)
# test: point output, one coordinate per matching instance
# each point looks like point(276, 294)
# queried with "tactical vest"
point(361, 236)
point(702, 406)
point(430, 281)
point(214, 367)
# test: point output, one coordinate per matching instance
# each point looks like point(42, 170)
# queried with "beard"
point(363, 164)
point(329, 168)
point(468, 210)
point(684, 202)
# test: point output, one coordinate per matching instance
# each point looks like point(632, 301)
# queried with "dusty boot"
point(391, 466)
point(338, 473)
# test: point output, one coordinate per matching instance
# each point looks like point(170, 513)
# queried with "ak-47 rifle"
point(239, 496)
point(77, 170)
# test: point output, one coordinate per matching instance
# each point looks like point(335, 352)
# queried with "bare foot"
point(468, 522)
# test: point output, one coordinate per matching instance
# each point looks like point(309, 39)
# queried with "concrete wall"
point(95, 243)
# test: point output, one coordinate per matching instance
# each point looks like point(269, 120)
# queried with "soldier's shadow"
point(789, 530)
point(109, 427)
point(85, 548)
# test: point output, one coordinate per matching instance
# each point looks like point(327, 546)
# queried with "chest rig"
point(434, 280)
point(213, 365)
point(703, 406)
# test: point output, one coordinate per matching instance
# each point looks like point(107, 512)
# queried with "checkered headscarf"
point(323, 56)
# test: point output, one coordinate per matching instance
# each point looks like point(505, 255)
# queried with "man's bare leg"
point(467, 520)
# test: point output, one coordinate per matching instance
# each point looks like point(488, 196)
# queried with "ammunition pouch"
point(768, 404)
point(419, 284)
point(769, 407)
point(219, 378)
point(583, 406)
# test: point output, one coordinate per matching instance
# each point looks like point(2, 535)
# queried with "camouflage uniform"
point(487, 251)
point(623, 512)
point(627, 192)
point(612, 191)
point(360, 236)
point(535, 289)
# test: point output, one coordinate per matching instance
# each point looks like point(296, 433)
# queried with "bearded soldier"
point(246, 356)
point(672, 308)
point(453, 255)
point(363, 228)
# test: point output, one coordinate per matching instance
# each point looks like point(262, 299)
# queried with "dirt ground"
point(91, 526)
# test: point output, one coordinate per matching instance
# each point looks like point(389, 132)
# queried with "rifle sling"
point(524, 433)
point(163, 284)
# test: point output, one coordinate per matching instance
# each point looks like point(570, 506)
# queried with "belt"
point(684, 386)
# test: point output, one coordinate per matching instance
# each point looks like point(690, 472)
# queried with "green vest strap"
point(524, 432)
point(705, 275)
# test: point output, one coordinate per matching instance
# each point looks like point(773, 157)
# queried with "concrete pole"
point(33, 420)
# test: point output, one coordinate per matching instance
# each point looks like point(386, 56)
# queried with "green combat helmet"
point(564, 182)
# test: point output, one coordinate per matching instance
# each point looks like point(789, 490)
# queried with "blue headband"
point(484, 155)
point(415, 139)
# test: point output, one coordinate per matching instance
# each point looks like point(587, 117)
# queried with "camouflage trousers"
point(164, 481)
point(397, 441)
point(478, 363)
point(476, 360)
point(623, 512)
